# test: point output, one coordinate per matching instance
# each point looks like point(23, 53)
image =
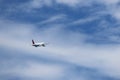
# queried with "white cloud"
point(104, 58)
point(69, 2)
point(112, 6)
point(109, 2)
point(32, 4)
point(59, 17)
point(85, 20)
point(35, 70)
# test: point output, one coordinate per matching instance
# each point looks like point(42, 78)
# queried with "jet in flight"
point(41, 44)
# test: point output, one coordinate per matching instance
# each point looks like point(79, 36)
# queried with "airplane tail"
point(33, 42)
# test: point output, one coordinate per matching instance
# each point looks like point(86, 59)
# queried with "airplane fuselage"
point(41, 44)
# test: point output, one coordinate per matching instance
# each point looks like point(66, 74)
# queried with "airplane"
point(41, 44)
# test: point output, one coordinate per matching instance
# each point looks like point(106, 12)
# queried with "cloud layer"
point(82, 46)
point(105, 59)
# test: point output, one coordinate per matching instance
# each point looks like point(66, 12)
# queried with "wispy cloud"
point(60, 17)
point(36, 4)
point(36, 71)
point(85, 20)
point(110, 7)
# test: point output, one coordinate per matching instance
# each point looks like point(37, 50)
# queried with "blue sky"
point(83, 37)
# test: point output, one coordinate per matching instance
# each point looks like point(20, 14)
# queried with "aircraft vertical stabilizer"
point(33, 42)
